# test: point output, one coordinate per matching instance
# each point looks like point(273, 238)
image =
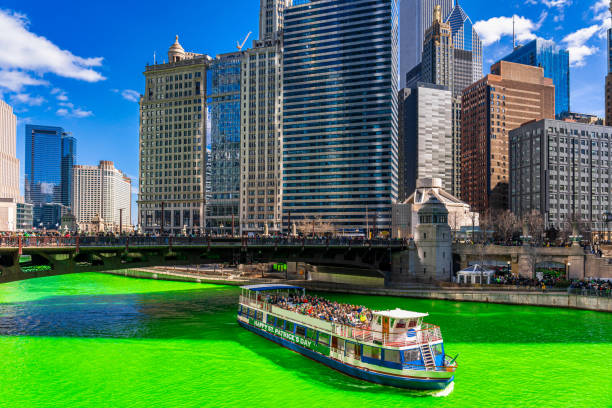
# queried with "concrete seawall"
point(548, 299)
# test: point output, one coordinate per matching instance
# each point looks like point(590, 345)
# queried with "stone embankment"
point(559, 299)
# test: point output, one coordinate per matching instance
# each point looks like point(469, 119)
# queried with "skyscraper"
point(340, 144)
point(503, 100)
point(50, 155)
point(415, 18)
point(609, 77)
point(102, 191)
point(438, 55)
point(173, 144)
point(261, 134)
point(562, 170)
point(554, 60)
point(9, 169)
point(222, 209)
point(466, 38)
point(428, 137)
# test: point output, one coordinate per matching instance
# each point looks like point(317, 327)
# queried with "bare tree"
point(486, 222)
point(506, 224)
point(535, 225)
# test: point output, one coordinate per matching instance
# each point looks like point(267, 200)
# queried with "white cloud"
point(24, 50)
point(576, 44)
point(556, 3)
point(15, 81)
point(130, 95)
point(27, 99)
point(493, 29)
point(600, 5)
point(69, 111)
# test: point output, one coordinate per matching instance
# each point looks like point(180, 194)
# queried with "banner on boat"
point(308, 343)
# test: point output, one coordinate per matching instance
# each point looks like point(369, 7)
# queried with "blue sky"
point(79, 64)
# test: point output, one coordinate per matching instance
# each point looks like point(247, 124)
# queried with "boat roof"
point(262, 287)
point(399, 314)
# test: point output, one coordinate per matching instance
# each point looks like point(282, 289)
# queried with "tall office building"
point(428, 135)
point(438, 53)
point(609, 77)
point(562, 169)
point(222, 208)
point(340, 136)
point(261, 133)
point(10, 195)
point(50, 154)
point(466, 38)
point(554, 60)
point(102, 191)
point(503, 100)
point(415, 18)
point(173, 144)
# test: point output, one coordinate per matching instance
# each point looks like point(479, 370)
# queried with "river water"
point(95, 340)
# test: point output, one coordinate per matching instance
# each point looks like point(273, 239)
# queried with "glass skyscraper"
point(554, 60)
point(466, 38)
point(340, 136)
point(49, 157)
point(223, 78)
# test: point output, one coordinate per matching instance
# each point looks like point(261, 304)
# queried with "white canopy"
point(399, 314)
point(477, 270)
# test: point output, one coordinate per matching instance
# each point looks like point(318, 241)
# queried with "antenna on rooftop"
point(153, 57)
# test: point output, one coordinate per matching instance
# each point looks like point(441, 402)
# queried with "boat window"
point(437, 349)
point(412, 323)
point(371, 352)
point(290, 326)
point(311, 334)
point(280, 323)
point(300, 331)
point(239, 309)
point(411, 356)
point(392, 356)
point(270, 320)
point(352, 349)
point(401, 324)
point(259, 316)
point(248, 312)
point(324, 338)
point(392, 323)
point(378, 320)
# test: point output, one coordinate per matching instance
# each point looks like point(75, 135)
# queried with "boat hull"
point(378, 378)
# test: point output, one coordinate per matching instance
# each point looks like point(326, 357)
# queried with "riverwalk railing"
point(605, 293)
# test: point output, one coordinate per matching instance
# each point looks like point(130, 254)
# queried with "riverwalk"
point(558, 299)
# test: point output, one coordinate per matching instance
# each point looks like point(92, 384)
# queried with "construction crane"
point(244, 42)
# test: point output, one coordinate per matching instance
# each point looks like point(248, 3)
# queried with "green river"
point(95, 340)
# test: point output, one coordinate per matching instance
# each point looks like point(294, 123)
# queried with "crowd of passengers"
point(350, 315)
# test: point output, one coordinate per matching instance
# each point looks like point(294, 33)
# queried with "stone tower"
point(433, 242)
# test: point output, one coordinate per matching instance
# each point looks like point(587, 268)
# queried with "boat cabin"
point(397, 324)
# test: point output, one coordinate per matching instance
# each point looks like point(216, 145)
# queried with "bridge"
point(523, 260)
point(25, 258)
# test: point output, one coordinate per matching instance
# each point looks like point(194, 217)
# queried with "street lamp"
point(567, 270)
point(508, 265)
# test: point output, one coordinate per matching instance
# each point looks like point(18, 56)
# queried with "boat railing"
point(427, 333)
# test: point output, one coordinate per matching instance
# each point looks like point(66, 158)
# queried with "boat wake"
point(445, 392)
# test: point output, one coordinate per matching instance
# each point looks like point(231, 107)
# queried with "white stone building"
point(261, 130)
point(173, 144)
point(10, 195)
point(102, 192)
point(405, 215)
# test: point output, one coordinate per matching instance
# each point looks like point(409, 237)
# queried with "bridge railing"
point(136, 241)
point(605, 293)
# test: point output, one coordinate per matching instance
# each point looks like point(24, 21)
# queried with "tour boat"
point(389, 347)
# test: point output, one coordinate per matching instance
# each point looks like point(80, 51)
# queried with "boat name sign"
point(310, 344)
